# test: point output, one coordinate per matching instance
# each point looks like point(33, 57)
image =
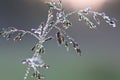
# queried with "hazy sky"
point(25, 14)
point(28, 12)
point(22, 11)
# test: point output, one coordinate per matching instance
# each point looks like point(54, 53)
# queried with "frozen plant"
point(57, 19)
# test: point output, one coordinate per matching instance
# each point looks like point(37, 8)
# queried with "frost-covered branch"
point(10, 30)
point(58, 19)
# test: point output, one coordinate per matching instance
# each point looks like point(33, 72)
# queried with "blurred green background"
point(63, 65)
point(100, 48)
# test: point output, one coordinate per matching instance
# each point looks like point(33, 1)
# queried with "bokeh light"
point(80, 4)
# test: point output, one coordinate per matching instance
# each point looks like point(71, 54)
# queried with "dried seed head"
point(95, 17)
point(49, 38)
point(86, 10)
point(66, 24)
point(75, 45)
point(86, 20)
point(66, 45)
point(45, 66)
point(112, 23)
point(78, 51)
point(50, 5)
point(1, 33)
point(60, 37)
point(18, 37)
point(90, 24)
point(37, 75)
point(33, 75)
point(51, 23)
point(59, 41)
point(41, 50)
point(59, 34)
point(8, 36)
point(79, 18)
point(33, 48)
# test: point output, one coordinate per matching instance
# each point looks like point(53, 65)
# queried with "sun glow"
point(85, 3)
point(80, 4)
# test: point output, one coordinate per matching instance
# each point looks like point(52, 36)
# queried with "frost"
point(59, 20)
